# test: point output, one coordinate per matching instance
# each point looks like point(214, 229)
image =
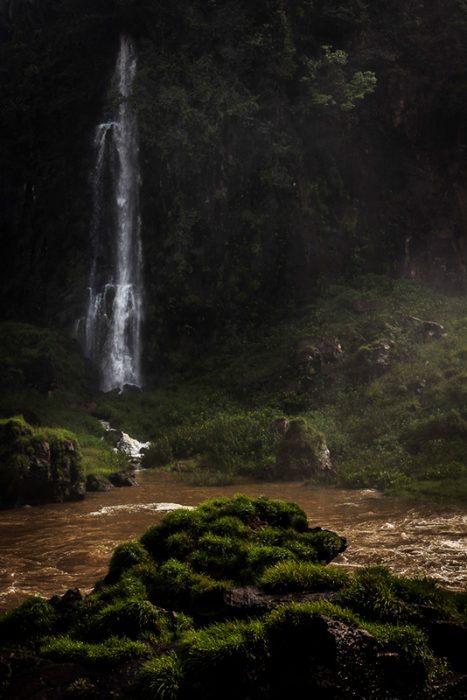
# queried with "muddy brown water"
point(48, 549)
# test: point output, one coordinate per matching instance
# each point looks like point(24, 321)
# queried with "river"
point(48, 549)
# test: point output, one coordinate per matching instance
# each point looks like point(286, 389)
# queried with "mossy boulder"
point(373, 359)
point(165, 624)
point(38, 465)
point(303, 454)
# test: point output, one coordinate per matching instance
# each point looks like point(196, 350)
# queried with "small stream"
point(48, 549)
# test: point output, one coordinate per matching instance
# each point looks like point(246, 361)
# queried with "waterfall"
point(112, 332)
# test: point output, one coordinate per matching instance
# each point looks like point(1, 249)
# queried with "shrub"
point(240, 507)
point(228, 442)
point(290, 576)
point(216, 536)
point(160, 678)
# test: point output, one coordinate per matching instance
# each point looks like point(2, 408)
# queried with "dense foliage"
point(280, 142)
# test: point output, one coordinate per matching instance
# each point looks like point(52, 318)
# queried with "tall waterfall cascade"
point(112, 326)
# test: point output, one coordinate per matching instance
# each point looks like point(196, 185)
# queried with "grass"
point(293, 576)
point(114, 650)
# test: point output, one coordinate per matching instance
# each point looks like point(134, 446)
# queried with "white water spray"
point(115, 307)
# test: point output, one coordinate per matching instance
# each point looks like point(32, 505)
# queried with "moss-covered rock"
point(298, 629)
point(303, 453)
point(38, 465)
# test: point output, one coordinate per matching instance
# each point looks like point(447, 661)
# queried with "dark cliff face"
point(271, 160)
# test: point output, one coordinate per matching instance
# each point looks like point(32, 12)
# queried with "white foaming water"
point(131, 446)
point(138, 508)
point(112, 333)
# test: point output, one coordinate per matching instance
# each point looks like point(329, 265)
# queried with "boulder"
point(427, 330)
point(123, 478)
point(38, 465)
point(315, 356)
point(68, 602)
point(449, 641)
point(303, 454)
point(373, 359)
point(97, 482)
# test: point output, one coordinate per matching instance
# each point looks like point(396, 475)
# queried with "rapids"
point(48, 549)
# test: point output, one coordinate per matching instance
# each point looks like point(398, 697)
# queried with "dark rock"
point(330, 350)
point(77, 492)
point(315, 356)
point(67, 602)
point(449, 640)
point(123, 478)
point(97, 482)
point(250, 600)
point(427, 330)
point(41, 456)
point(373, 359)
